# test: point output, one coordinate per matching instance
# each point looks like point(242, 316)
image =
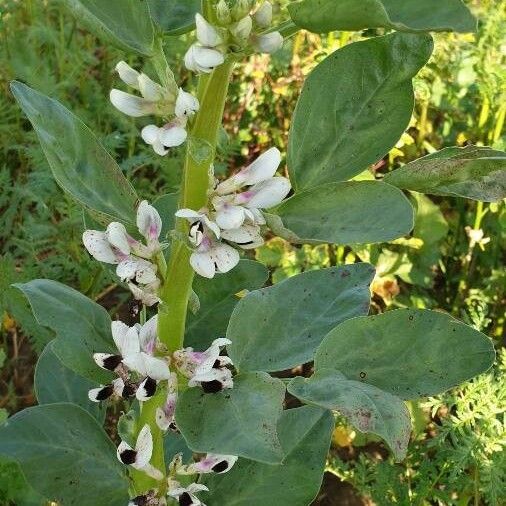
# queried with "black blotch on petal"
point(112, 362)
point(140, 500)
point(105, 393)
point(128, 391)
point(212, 387)
point(128, 456)
point(220, 467)
point(185, 499)
point(149, 386)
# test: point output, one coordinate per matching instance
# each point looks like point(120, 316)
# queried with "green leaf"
point(173, 16)
point(240, 421)
point(217, 300)
point(82, 327)
point(366, 407)
point(404, 15)
point(354, 107)
point(408, 352)
point(126, 23)
point(65, 455)
point(304, 434)
point(80, 165)
point(477, 173)
point(54, 383)
point(347, 213)
point(281, 326)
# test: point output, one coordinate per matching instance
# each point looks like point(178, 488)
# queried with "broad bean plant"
point(205, 416)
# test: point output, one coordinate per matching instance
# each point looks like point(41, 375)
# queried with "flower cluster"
point(235, 217)
point(170, 102)
point(136, 365)
point(134, 260)
point(237, 29)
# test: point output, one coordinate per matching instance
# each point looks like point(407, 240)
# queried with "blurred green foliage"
point(452, 261)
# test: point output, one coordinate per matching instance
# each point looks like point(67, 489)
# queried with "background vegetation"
point(452, 261)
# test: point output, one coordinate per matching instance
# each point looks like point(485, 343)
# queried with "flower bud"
point(223, 14)
point(263, 15)
point(206, 33)
point(269, 42)
point(241, 8)
point(242, 30)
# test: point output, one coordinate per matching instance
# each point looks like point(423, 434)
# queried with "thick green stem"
point(177, 285)
point(199, 156)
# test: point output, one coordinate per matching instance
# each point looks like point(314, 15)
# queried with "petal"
point(221, 341)
point(127, 269)
point(125, 338)
point(206, 33)
point(144, 447)
point(147, 297)
point(186, 104)
point(100, 394)
point(149, 222)
point(247, 236)
point(258, 217)
point(268, 193)
point(263, 15)
point(242, 29)
point(130, 104)
point(159, 148)
point(189, 214)
point(146, 365)
point(127, 74)
point(264, 167)
point(99, 247)
point(207, 59)
point(148, 335)
point(125, 453)
point(149, 89)
point(269, 42)
point(225, 257)
point(172, 135)
point(117, 236)
point(197, 487)
point(230, 216)
point(202, 263)
point(189, 59)
point(146, 389)
point(107, 361)
point(150, 133)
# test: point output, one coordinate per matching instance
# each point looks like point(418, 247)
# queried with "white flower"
point(211, 463)
point(116, 246)
point(202, 59)
point(136, 346)
point(207, 35)
point(168, 136)
point(263, 15)
point(198, 222)
point(265, 191)
point(268, 42)
point(206, 368)
point(212, 257)
point(165, 415)
point(186, 104)
point(139, 457)
point(247, 236)
point(186, 495)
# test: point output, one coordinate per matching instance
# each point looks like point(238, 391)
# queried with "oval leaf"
point(81, 325)
point(405, 15)
point(345, 119)
point(366, 407)
point(55, 382)
point(408, 352)
point(473, 172)
point(80, 165)
point(281, 326)
point(304, 434)
point(240, 421)
point(347, 213)
point(126, 23)
point(217, 301)
point(65, 455)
